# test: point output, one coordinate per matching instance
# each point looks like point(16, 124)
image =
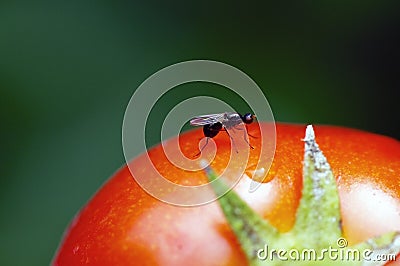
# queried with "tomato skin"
point(123, 225)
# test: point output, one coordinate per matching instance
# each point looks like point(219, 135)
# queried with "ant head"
point(248, 118)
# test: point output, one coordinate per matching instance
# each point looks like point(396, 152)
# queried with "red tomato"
point(123, 225)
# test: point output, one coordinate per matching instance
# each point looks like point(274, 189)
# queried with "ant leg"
point(233, 141)
point(239, 128)
point(254, 137)
point(250, 134)
point(201, 149)
point(244, 136)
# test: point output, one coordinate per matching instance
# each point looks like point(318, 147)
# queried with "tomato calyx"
point(316, 236)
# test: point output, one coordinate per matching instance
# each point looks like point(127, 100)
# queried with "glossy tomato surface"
point(123, 225)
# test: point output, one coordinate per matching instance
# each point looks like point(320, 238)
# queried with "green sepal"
point(317, 226)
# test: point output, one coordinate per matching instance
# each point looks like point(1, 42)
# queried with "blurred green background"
point(68, 69)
